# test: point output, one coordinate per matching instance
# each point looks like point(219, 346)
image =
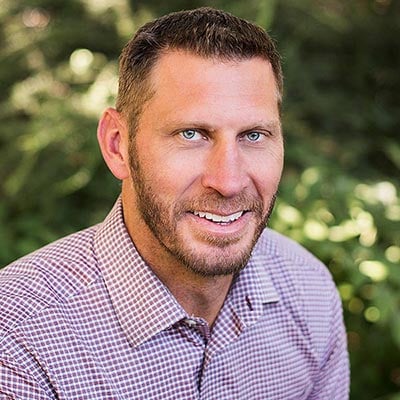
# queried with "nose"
point(225, 169)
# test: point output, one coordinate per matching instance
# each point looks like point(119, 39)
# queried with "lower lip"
point(221, 229)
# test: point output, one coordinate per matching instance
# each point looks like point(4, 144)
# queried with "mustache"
point(216, 202)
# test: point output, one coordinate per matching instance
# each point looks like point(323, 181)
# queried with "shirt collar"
point(253, 288)
point(143, 304)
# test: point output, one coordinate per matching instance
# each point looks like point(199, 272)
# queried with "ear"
point(112, 135)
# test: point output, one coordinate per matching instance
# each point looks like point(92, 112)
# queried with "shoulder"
point(45, 278)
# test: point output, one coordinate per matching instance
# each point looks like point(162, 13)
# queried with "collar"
point(253, 288)
point(143, 304)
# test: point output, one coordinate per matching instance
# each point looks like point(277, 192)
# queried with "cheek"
point(169, 174)
point(267, 172)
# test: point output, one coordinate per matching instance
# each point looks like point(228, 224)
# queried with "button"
point(190, 322)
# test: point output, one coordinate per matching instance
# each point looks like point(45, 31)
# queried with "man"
point(180, 293)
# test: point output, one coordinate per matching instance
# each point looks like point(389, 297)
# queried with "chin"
point(217, 261)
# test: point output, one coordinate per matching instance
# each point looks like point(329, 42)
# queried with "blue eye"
point(190, 134)
point(253, 136)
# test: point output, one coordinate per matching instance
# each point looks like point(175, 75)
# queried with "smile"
point(219, 218)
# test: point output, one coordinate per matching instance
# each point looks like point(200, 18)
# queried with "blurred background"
point(340, 192)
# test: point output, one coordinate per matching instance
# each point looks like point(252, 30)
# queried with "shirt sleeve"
point(333, 380)
point(18, 384)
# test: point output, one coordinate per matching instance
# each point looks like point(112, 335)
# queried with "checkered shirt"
point(86, 318)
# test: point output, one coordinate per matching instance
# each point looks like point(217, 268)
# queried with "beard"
point(162, 218)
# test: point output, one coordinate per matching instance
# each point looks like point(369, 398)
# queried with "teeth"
point(219, 218)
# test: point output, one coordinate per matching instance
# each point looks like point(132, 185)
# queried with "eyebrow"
point(269, 125)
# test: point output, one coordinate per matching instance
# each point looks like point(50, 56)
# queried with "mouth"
point(219, 219)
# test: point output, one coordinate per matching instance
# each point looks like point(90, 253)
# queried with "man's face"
point(206, 161)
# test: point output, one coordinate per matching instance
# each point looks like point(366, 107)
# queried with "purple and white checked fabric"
point(86, 318)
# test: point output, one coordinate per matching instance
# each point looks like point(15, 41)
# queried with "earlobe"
point(112, 135)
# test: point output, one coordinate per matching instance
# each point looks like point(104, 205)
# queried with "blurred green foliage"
point(340, 193)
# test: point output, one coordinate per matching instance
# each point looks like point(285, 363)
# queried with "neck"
point(201, 296)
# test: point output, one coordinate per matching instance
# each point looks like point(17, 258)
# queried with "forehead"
point(182, 62)
point(188, 75)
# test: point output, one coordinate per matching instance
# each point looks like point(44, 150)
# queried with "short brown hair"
point(206, 32)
